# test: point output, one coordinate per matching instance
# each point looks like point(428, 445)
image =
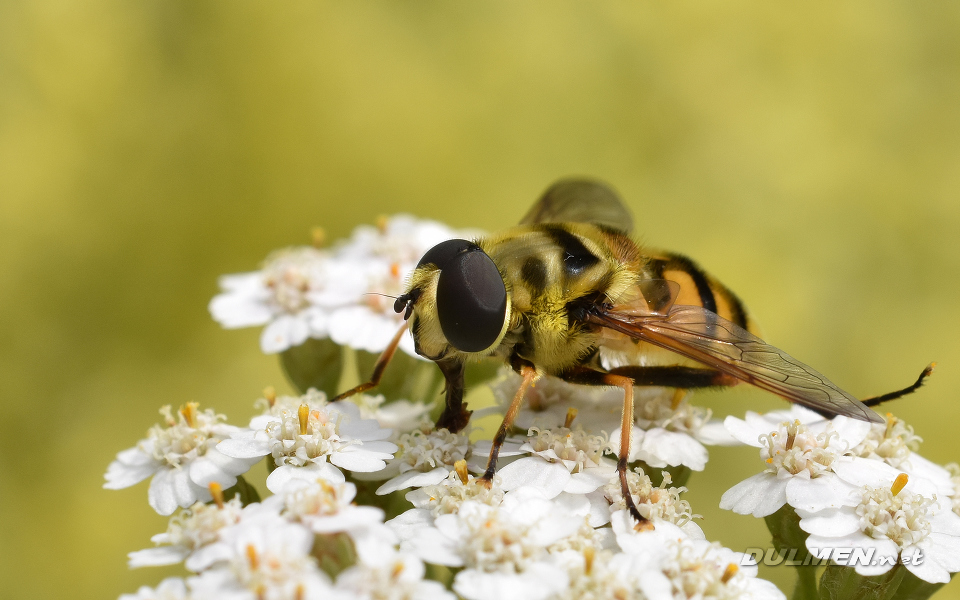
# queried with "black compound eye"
point(441, 254)
point(471, 296)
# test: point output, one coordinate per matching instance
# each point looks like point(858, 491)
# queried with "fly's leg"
point(455, 415)
point(907, 390)
point(378, 367)
point(529, 374)
point(626, 378)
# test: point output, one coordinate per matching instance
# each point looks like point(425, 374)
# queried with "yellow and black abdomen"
point(697, 288)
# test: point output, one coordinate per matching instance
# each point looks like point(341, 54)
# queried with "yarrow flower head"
point(657, 503)
point(425, 458)
point(669, 431)
point(891, 512)
point(895, 443)
point(263, 557)
point(458, 487)
point(182, 457)
point(306, 292)
point(560, 459)
point(799, 452)
point(189, 530)
point(502, 549)
point(312, 442)
point(669, 564)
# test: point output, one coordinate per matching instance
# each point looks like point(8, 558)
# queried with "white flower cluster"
point(339, 293)
point(854, 485)
point(553, 523)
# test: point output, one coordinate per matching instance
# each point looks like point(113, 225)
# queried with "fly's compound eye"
point(471, 296)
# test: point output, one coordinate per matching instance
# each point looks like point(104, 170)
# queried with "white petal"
point(157, 557)
point(243, 448)
point(354, 458)
point(942, 548)
point(413, 479)
point(852, 431)
point(743, 431)
point(864, 471)
point(286, 331)
point(826, 491)
point(829, 522)
point(760, 495)
point(171, 488)
point(538, 582)
point(233, 310)
point(310, 472)
point(408, 523)
point(131, 467)
point(588, 480)
point(929, 571)
point(715, 433)
point(674, 448)
point(549, 478)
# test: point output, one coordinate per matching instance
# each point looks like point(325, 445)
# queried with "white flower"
point(401, 416)
point(503, 549)
point(381, 259)
point(302, 442)
point(425, 458)
point(657, 503)
point(669, 564)
point(799, 458)
point(324, 506)
point(190, 529)
point(561, 460)
point(669, 432)
point(264, 556)
point(898, 516)
point(287, 296)
point(895, 443)
point(600, 575)
point(339, 293)
point(384, 573)
point(457, 487)
point(171, 588)
point(182, 459)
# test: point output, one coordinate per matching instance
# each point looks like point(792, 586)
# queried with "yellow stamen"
point(461, 467)
point(270, 394)
point(217, 492)
point(252, 556)
point(589, 554)
point(397, 570)
point(189, 413)
point(678, 396)
point(318, 237)
point(395, 270)
point(382, 222)
point(729, 572)
point(301, 593)
point(899, 483)
point(304, 415)
point(571, 415)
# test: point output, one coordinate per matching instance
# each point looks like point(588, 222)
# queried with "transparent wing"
point(580, 201)
point(702, 335)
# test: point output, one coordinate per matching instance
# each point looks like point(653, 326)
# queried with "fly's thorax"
point(546, 267)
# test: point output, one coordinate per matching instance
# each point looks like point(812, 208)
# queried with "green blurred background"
point(808, 156)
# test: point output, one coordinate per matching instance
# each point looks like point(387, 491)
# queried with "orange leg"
point(529, 374)
point(378, 367)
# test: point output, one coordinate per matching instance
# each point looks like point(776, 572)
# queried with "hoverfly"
point(568, 291)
